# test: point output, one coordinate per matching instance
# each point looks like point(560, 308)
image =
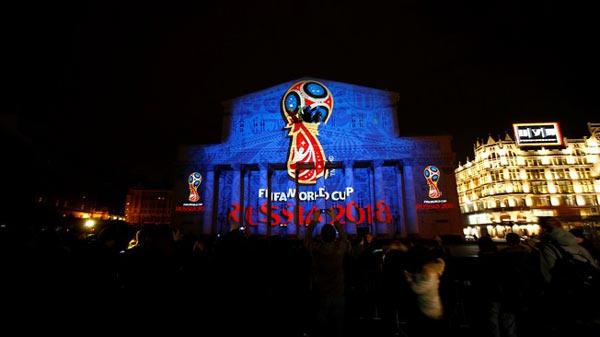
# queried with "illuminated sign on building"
point(271, 172)
point(305, 105)
point(537, 134)
point(432, 176)
point(194, 181)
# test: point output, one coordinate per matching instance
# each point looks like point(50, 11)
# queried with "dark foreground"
point(56, 283)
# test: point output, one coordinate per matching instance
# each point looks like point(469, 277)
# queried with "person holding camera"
point(327, 255)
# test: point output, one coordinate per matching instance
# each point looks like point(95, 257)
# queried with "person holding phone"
point(328, 272)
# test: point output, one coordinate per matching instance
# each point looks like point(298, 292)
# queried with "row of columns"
point(406, 222)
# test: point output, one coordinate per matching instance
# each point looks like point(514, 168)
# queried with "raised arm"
point(309, 229)
point(337, 225)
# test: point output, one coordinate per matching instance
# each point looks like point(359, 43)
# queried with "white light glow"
point(523, 174)
point(573, 173)
point(89, 223)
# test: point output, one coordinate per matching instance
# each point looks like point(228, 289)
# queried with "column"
point(349, 182)
point(292, 225)
point(264, 183)
point(379, 190)
point(400, 220)
point(208, 200)
point(236, 184)
point(410, 200)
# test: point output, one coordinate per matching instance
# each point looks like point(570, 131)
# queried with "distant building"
point(81, 206)
point(512, 182)
point(147, 206)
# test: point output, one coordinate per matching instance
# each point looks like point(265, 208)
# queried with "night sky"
point(107, 91)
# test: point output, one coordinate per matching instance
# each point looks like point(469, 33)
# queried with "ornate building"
point(304, 146)
point(510, 183)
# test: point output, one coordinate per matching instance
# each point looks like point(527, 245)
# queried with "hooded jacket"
point(549, 254)
point(425, 285)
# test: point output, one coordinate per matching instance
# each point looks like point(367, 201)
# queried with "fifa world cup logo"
point(194, 181)
point(432, 176)
point(306, 105)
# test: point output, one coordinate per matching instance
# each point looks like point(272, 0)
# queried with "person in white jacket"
point(425, 285)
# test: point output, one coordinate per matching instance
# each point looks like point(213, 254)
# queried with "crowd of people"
point(324, 285)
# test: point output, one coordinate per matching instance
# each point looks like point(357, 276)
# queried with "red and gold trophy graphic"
point(432, 176)
point(306, 105)
point(194, 181)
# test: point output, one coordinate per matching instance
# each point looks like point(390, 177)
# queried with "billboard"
point(538, 134)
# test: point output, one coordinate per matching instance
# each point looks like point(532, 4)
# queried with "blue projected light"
point(292, 102)
point(315, 90)
point(278, 126)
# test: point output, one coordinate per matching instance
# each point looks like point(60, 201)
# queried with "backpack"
point(573, 276)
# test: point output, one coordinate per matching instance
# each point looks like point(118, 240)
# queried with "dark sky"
point(109, 89)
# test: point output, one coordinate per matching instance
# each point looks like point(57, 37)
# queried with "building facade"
point(148, 206)
point(308, 145)
point(511, 183)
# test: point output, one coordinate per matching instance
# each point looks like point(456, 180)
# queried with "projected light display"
point(271, 172)
point(194, 181)
point(306, 105)
point(432, 176)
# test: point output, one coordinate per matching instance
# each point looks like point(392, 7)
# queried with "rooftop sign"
point(537, 134)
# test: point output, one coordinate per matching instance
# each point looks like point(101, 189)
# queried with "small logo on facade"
point(432, 176)
point(194, 181)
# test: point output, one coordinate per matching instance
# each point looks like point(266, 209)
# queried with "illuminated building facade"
point(82, 206)
point(148, 206)
point(302, 146)
point(512, 182)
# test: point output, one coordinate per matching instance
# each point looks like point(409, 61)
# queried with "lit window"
point(545, 160)
point(573, 173)
point(523, 174)
point(529, 201)
point(554, 201)
point(580, 200)
point(551, 187)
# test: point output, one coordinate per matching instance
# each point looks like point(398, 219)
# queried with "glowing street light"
point(89, 224)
